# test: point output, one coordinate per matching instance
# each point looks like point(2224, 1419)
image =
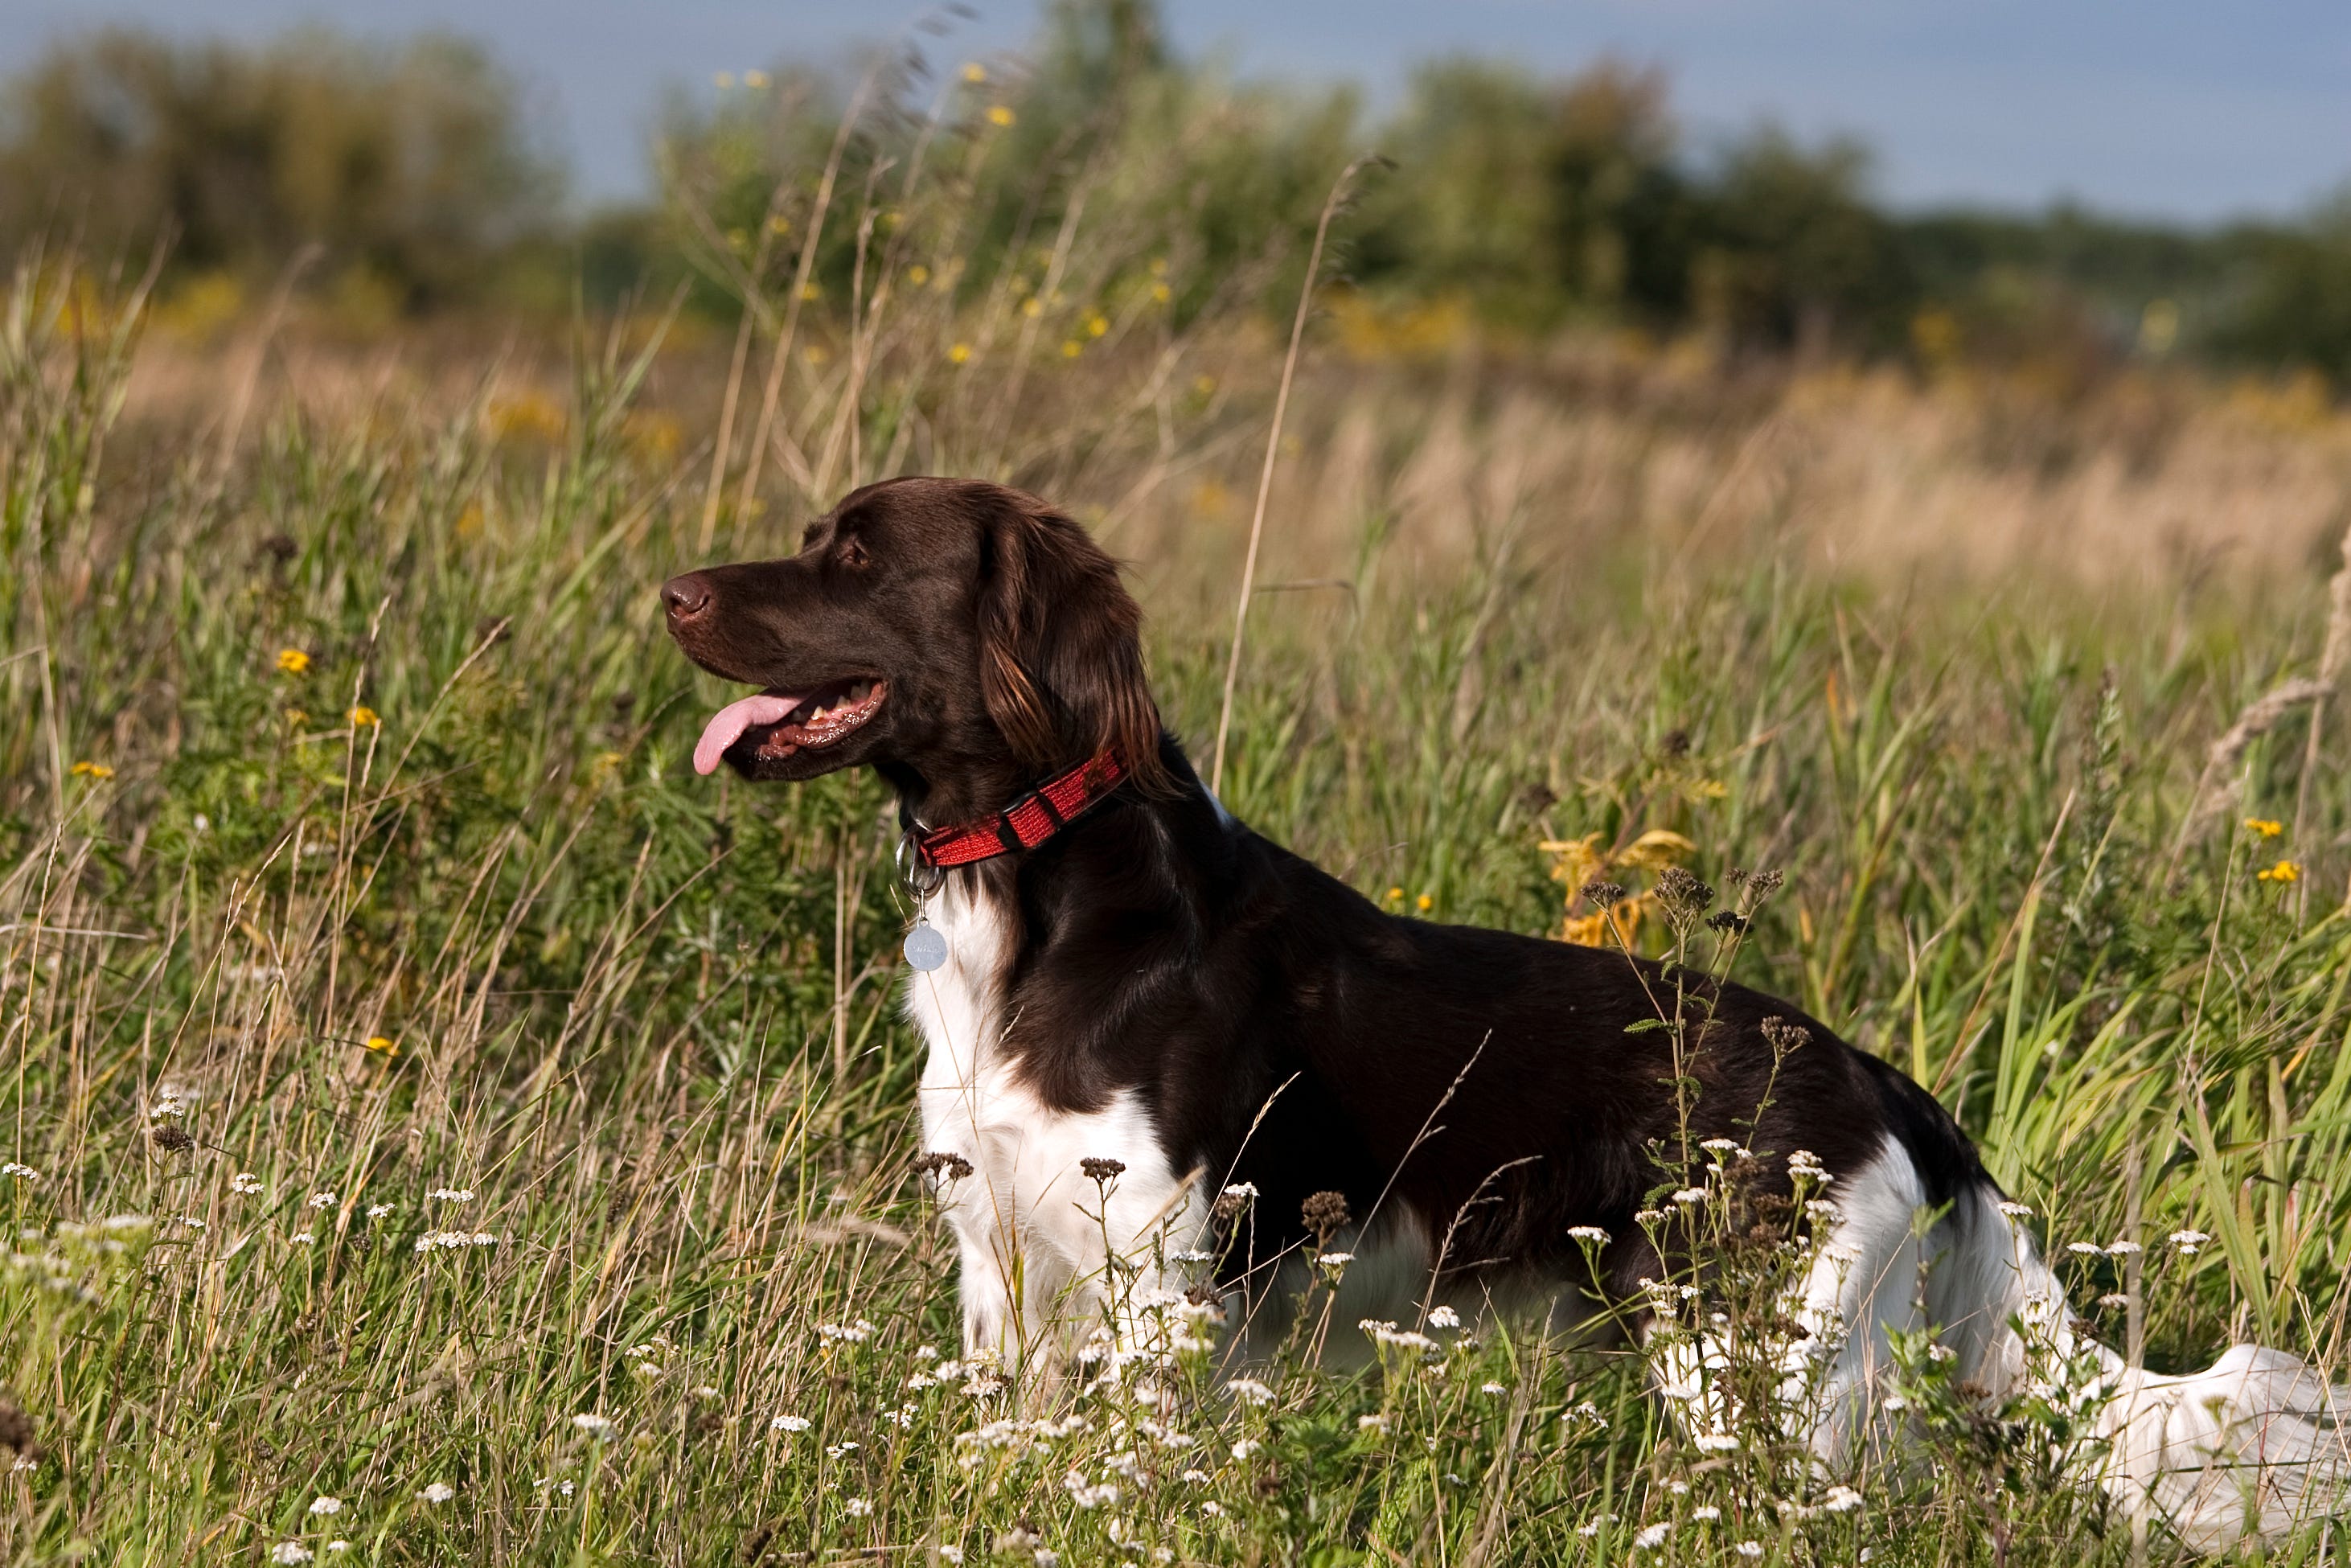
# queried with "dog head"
point(960, 636)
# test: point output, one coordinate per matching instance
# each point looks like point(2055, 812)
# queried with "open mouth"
point(776, 723)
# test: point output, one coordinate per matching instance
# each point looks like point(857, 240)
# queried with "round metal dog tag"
point(925, 948)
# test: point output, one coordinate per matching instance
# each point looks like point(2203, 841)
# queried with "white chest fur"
point(1033, 1228)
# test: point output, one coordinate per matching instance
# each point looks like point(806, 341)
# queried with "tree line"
point(411, 176)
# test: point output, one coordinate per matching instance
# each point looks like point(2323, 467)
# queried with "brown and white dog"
point(1146, 980)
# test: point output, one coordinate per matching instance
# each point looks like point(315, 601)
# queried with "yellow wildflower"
point(975, 73)
point(811, 290)
point(2262, 828)
point(361, 716)
point(1423, 903)
point(723, 80)
point(1000, 114)
point(293, 661)
point(1394, 893)
point(383, 1044)
point(780, 225)
point(754, 78)
point(296, 717)
point(1162, 293)
point(1071, 348)
point(1030, 307)
point(959, 354)
point(2283, 871)
point(918, 275)
point(1204, 385)
point(1097, 324)
point(92, 771)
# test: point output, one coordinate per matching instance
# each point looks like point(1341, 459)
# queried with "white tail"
point(2251, 1446)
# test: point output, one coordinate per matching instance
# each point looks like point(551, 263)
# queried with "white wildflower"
point(2015, 1210)
point(2123, 1249)
point(453, 1194)
point(244, 1182)
point(338, 1546)
point(1840, 1499)
point(1241, 1191)
point(789, 1424)
point(378, 1211)
point(1335, 1259)
point(1649, 1216)
point(302, 1239)
point(1592, 1234)
point(20, 1172)
point(1719, 1145)
point(1717, 1443)
point(2084, 1248)
point(857, 1333)
point(1248, 1390)
point(1748, 1549)
point(1371, 1423)
point(439, 1492)
point(2188, 1241)
point(951, 1554)
point(191, 1222)
point(1246, 1446)
point(1690, 1195)
point(1444, 1317)
point(324, 1200)
point(594, 1424)
point(1652, 1536)
point(289, 1552)
point(1493, 1389)
point(1705, 1513)
point(326, 1505)
point(857, 1508)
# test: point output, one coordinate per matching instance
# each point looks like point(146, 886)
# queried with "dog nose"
point(686, 597)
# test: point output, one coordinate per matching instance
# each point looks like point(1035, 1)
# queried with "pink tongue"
point(728, 725)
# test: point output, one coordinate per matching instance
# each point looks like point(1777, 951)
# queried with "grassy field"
point(442, 1128)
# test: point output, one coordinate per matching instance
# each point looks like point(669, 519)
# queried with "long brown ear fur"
point(1060, 651)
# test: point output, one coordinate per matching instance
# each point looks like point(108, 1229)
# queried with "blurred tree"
point(1794, 256)
point(410, 167)
point(2295, 303)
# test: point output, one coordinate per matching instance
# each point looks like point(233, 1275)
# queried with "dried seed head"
point(1726, 922)
point(1101, 1170)
point(171, 1138)
point(1674, 743)
point(1763, 884)
point(1685, 897)
point(1325, 1212)
point(1785, 1037)
point(942, 1164)
point(1604, 894)
point(17, 1430)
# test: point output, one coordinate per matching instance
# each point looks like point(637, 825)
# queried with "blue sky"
point(2179, 109)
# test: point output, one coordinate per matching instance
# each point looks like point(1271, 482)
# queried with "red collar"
point(1029, 821)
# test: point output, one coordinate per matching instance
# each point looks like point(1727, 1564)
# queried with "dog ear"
point(1061, 649)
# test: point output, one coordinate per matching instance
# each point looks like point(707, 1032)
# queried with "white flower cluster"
point(432, 1239)
point(857, 1333)
point(1387, 1334)
point(1589, 1235)
point(1804, 1164)
point(2188, 1241)
point(21, 1172)
point(453, 1194)
point(1249, 1391)
point(244, 1183)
